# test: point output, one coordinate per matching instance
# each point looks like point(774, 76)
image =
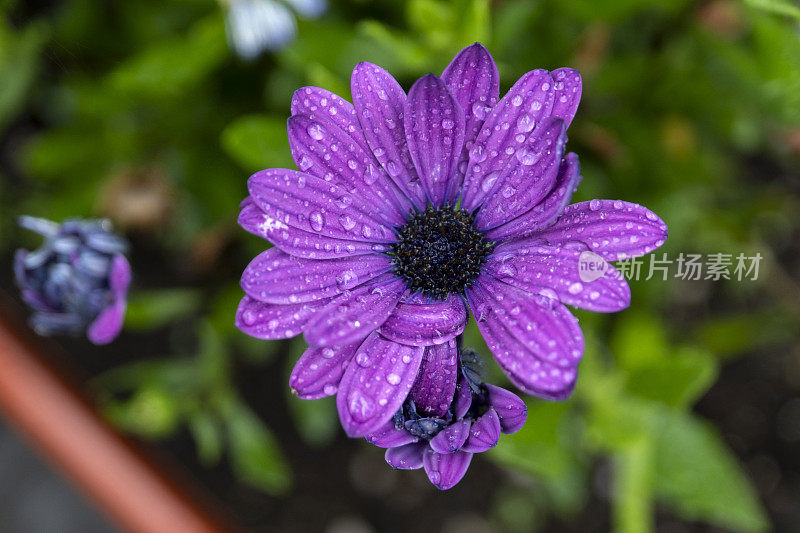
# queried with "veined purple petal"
point(278, 278)
point(568, 88)
point(536, 341)
point(473, 79)
point(613, 229)
point(356, 313)
point(451, 438)
point(297, 242)
point(434, 125)
point(528, 176)
point(446, 470)
point(380, 104)
point(312, 204)
point(274, 321)
point(436, 382)
point(408, 457)
point(321, 148)
point(314, 101)
point(484, 433)
point(463, 398)
point(376, 384)
point(547, 210)
point(420, 322)
point(319, 370)
point(388, 436)
point(506, 130)
point(511, 411)
point(555, 271)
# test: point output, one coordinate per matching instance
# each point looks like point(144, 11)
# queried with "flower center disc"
point(439, 251)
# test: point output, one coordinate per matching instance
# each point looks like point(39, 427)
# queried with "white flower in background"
point(309, 8)
point(254, 26)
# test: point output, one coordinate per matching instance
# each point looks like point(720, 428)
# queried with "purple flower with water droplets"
point(77, 281)
point(410, 210)
point(440, 428)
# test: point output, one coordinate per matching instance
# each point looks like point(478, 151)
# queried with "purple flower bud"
point(77, 281)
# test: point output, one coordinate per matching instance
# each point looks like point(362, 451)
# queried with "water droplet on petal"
point(316, 220)
point(315, 132)
point(361, 406)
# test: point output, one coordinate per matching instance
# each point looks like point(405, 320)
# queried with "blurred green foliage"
point(691, 108)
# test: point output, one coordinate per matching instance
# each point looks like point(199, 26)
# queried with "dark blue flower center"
point(439, 251)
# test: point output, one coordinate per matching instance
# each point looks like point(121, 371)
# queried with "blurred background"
point(686, 415)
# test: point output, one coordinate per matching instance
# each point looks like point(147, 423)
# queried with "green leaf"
point(207, 434)
point(544, 449)
point(633, 488)
point(154, 309)
point(428, 16)
point(678, 379)
point(19, 64)
point(778, 7)
point(171, 68)
point(255, 455)
point(151, 412)
point(638, 339)
point(476, 23)
point(257, 142)
point(701, 479)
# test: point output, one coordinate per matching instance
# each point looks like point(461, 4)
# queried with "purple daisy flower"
point(77, 281)
point(410, 210)
point(442, 437)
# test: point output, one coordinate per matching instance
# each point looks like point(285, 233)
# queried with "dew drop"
point(316, 220)
point(315, 132)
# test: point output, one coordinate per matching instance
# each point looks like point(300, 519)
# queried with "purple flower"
point(442, 437)
point(408, 210)
point(77, 281)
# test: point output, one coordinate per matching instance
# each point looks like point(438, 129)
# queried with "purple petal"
point(380, 103)
point(274, 321)
point(506, 130)
point(484, 433)
point(388, 436)
point(408, 457)
point(536, 341)
point(451, 438)
point(555, 271)
point(318, 371)
point(527, 178)
point(445, 471)
point(434, 125)
point(473, 79)
point(108, 323)
point(312, 204)
point(297, 242)
point(511, 411)
point(436, 383)
point(119, 276)
point(376, 384)
point(420, 322)
point(322, 149)
point(567, 93)
point(463, 398)
point(320, 102)
point(547, 210)
point(275, 277)
point(612, 228)
point(356, 313)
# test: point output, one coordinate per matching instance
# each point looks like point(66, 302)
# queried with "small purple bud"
point(77, 280)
